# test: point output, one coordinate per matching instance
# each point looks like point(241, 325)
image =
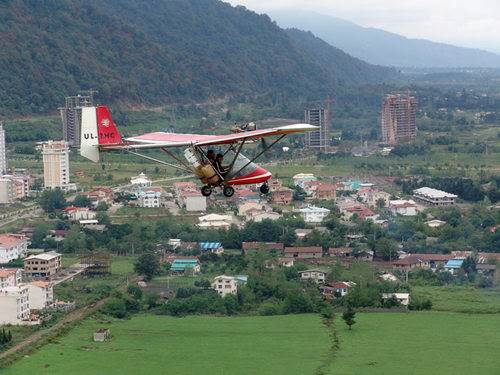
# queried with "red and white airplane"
point(100, 134)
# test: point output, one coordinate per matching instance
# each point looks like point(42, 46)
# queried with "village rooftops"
point(10, 240)
point(6, 272)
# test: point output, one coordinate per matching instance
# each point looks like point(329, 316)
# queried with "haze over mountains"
point(159, 51)
point(384, 48)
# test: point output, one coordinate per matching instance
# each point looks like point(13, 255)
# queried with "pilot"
point(221, 169)
point(211, 156)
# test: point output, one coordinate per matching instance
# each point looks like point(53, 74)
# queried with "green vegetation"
point(418, 343)
point(194, 345)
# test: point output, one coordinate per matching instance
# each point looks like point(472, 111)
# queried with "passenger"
point(211, 156)
point(221, 168)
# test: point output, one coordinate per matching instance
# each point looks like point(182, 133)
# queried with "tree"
point(348, 316)
point(386, 249)
point(147, 265)
point(52, 200)
point(469, 265)
point(74, 241)
point(81, 201)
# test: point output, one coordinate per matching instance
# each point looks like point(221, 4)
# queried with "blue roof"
point(209, 245)
point(454, 263)
point(182, 264)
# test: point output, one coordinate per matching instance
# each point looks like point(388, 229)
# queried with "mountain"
point(156, 51)
point(384, 48)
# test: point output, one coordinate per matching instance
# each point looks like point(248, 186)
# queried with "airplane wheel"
point(206, 191)
point(264, 189)
point(228, 191)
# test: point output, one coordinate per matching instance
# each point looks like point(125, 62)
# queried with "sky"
point(468, 23)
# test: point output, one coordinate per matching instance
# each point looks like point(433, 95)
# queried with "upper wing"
point(162, 139)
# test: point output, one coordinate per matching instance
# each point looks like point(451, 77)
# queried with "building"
point(181, 264)
point(7, 190)
point(79, 213)
point(402, 298)
point(211, 247)
point(300, 179)
point(225, 285)
point(215, 221)
point(304, 252)
point(245, 207)
point(12, 246)
point(332, 290)
point(100, 194)
point(140, 182)
point(192, 201)
point(318, 139)
point(41, 294)
point(71, 115)
point(282, 195)
point(363, 213)
point(325, 191)
point(312, 214)
point(403, 207)
point(15, 305)
point(10, 277)
point(286, 262)
point(318, 276)
point(372, 197)
point(453, 265)
point(435, 223)
point(434, 197)
point(43, 265)
point(259, 215)
point(56, 165)
point(340, 252)
point(410, 262)
point(3, 151)
point(399, 119)
point(433, 261)
point(150, 197)
point(102, 335)
point(262, 246)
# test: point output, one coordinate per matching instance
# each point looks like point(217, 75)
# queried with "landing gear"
point(228, 191)
point(206, 191)
point(264, 189)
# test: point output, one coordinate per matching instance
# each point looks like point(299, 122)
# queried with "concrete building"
point(312, 214)
point(14, 186)
point(41, 294)
point(300, 179)
point(15, 304)
point(43, 265)
point(225, 285)
point(304, 252)
point(100, 194)
point(403, 207)
point(192, 200)
point(283, 195)
point(434, 197)
point(319, 139)
point(3, 151)
point(140, 182)
point(10, 277)
point(79, 213)
point(56, 165)
point(403, 298)
point(181, 264)
point(215, 221)
point(150, 197)
point(399, 119)
point(318, 276)
point(7, 190)
point(71, 115)
point(12, 246)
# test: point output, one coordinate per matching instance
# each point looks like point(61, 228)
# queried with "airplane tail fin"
point(97, 129)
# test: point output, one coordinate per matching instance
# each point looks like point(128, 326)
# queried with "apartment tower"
point(399, 119)
point(321, 117)
point(55, 164)
point(71, 115)
point(3, 154)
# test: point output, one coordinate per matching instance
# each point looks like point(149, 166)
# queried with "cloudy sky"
point(469, 23)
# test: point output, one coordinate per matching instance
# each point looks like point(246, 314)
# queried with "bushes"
point(420, 304)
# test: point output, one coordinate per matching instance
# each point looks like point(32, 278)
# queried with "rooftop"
point(8, 240)
point(44, 256)
point(6, 272)
point(433, 193)
point(309, 249)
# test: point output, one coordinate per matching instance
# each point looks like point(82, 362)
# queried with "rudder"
point(107, 130)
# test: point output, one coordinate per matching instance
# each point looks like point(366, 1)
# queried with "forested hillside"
point(156, 51)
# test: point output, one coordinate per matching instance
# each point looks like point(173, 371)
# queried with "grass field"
point(194, 345)
point(418, 343)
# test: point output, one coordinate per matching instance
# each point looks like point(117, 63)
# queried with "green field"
point(419, 343)
point(193, 345)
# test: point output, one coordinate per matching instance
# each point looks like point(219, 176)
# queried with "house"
point(433, 261)
point(282, 195)
point(101, 335)
point(486, 269)
point(434, 197)
point(258, 215)
point(365, 255)
point(331, 290)
point(79, 213)
point(211, 247)
point(403, 298)
point(318, 276)
point(245, 207)
point(304, 252)
point(403, 207)
point(191, 200)
point(15, 304)
point(140, 182)
point(340, 252)
point(388, 277)
point(41, 294)
point(181, 264)
point(12, 246)
point(215, 221)
point(301, 178)
point(410, 262)
point(371, 197)
point(244, 194)
point(285, 262)
point(43, 265)
point(10, 277)
point(301, 233)
point(150, 197)
point(262, 246)
point(325, 191)
point(435, 223)
point(274, 184)
point(362, 212)
point(453, 265)
point(225, 285)
point(312, 214)
point(101, 194)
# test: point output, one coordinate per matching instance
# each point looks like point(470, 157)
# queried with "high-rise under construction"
point(321, 117)
point(399, 119)
point(71, 115)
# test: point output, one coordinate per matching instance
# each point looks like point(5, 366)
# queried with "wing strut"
point(160, 161)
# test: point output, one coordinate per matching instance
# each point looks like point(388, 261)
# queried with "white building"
point(3, 153)
point(225, 285)
point(435, 223)
point(301, 178)
point(41, 294)
point(317, 276)
point(79, 213)
point(140, 181)
point(10, 277)
point(434, 197)
point(215, 221)
point(7, 191)
point(56, 165)
point(150, 197)
point(14, 301)
point(403, 298)
point(12, 246)
point(403, 207)
point(191, 200)
point(312, 214)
